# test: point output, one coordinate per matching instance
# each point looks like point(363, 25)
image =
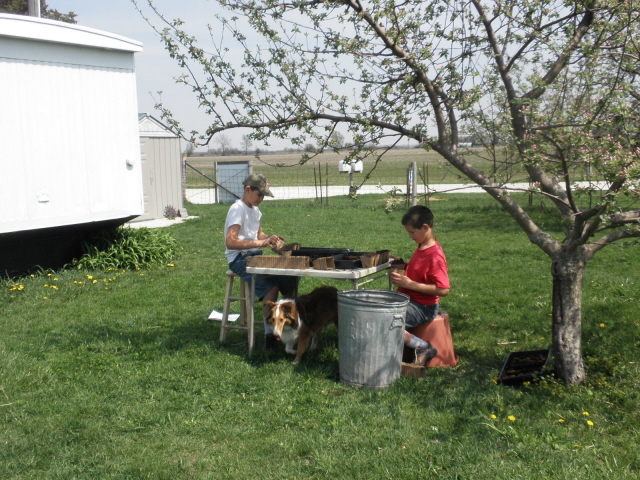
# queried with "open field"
point(118, 375)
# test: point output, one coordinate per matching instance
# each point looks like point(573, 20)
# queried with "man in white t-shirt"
point(244, 237)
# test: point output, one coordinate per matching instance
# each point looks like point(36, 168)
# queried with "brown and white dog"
point(303, 318)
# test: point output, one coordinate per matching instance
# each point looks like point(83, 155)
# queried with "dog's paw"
point(295, 362)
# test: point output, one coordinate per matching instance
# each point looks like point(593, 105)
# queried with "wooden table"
point(357, 277)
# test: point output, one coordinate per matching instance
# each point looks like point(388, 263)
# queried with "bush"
point(126, 248)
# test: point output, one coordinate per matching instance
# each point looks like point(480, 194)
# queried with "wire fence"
point(408, 173)
point(219, 179)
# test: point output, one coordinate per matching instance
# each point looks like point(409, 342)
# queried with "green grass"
point(123, 378)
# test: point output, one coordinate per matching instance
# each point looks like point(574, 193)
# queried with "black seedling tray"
point(316, 253)
point(343, 263)
point(524, 366)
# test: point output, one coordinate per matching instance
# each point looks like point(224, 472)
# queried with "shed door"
point(148, 180)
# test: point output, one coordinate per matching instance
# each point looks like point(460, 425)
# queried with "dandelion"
point(512, 418)
point(586, 414)
point(602, 325)
point(561, 420)
point(492, 416)
point(89, 277)
point(94, 281)
point(590, 423)
point(170, 265)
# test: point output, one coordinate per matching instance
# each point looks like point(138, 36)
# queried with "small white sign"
point(217, 316)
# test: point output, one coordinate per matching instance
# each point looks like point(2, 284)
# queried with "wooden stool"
point(246, 320)
point(438, 334)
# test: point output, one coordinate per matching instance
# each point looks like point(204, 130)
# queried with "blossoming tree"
point(549, 86)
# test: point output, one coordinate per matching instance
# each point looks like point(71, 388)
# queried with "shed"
point(70, 149)
point(161, 168)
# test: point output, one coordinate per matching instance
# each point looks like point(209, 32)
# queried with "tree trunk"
point(568, 274)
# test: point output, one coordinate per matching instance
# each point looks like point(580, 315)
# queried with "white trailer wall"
point(69, 145)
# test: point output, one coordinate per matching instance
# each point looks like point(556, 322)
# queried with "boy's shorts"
point(419, 314)
point(264, 283)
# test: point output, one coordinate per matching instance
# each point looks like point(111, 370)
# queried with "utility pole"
point(34, 8)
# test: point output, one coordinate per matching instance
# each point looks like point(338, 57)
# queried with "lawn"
point(118, 375)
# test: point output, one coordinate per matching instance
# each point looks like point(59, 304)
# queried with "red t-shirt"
point(427, 266)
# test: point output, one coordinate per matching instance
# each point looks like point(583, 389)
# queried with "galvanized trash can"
point(370, 336)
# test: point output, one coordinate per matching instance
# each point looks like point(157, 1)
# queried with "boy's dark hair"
point(418, 216)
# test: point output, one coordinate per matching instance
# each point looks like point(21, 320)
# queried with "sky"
point(155, 70)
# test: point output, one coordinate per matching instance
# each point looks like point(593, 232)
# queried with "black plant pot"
point(523, 367)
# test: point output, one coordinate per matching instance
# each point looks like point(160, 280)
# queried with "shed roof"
point(151, 127)
point(42, 29)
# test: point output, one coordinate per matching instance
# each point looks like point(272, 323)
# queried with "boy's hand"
point(271, 240)
point(398, 279)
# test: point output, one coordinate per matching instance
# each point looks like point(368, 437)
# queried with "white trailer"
point(69, 141)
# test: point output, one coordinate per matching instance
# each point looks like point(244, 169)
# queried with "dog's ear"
point(291, 312)
point(270, 304)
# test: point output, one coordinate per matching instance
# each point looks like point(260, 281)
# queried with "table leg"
point(251, 315)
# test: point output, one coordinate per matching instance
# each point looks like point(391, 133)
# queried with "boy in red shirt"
point(425, 281)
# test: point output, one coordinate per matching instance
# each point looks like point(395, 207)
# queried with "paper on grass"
point(218, 316)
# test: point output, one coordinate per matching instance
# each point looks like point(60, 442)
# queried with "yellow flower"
point(590, 423)
point(602, 325)
point(89, 277)
point(493, 417)
point(170, 265)
point(561, 420)
point(585, 413)
point(512, 418)
point(95, 281)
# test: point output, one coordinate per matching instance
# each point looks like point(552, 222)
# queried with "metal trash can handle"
point(398, 321)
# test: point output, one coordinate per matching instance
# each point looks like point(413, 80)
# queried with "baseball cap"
point(258, 181)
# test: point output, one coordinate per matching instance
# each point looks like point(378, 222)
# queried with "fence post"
point(327, 175)
point(216, 192)
point(426, 183)
point(414, 174)
point(320, 180)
